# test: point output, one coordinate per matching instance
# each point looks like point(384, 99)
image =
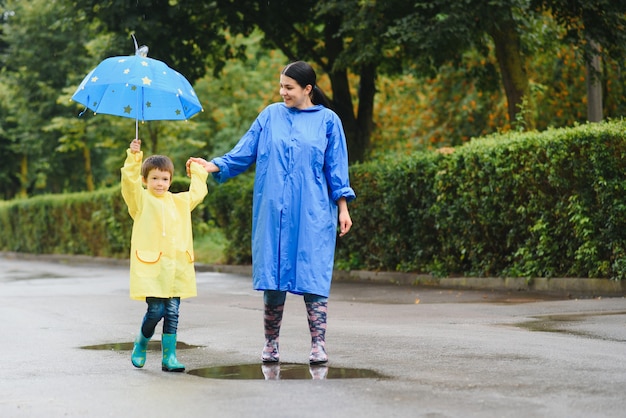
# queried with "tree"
point(440, 31)
point(340, 38)
point(40, 54)
point(598, 29)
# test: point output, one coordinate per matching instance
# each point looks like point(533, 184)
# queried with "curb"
point(572, 287)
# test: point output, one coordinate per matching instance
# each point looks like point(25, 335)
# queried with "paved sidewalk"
point(442, 352)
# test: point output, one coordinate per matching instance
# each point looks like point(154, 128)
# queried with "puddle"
point(152, 346)
point(26, 276)
point(256, 371)
point(283, 371)
point(567, 324)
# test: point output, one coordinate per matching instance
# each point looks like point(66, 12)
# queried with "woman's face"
point(293, 94)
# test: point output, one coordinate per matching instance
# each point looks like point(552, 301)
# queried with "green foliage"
point(464, 101)
point(234, 100)
point(209, 244)
point(94, 224)
point(393, 228)
point(519, 204)
point(536, 205)
point(187, 35)
point(231, 208)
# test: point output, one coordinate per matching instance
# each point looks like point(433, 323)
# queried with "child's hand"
point(200, 161)
point(135, 145)
point(207, 165)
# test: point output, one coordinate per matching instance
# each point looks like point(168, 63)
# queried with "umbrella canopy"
point(138, 87)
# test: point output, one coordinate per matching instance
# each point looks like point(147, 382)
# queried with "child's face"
point(158, 182)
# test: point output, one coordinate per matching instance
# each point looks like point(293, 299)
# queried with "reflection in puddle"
point(152, 345)
point(283, 371)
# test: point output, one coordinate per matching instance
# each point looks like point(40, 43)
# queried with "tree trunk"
point(365, 118)
point(513, 72)
point(358, 129)
point(88, 172)
point(357, 135)
point(23, 177)
point(594, 87)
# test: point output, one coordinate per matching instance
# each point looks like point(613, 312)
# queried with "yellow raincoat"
point(161, 247)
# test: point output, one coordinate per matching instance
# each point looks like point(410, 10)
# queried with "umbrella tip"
point(142, 51)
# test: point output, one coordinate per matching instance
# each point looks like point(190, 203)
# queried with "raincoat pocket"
point(148, 264)
point(190, 256)
point(148, 257)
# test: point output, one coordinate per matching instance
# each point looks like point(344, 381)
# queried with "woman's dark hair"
point(304, 75)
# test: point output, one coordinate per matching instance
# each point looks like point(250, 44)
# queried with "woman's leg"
point(316, 308)
point(274, 305)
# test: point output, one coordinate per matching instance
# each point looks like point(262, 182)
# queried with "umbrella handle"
point(135, 41)
point(137, 111)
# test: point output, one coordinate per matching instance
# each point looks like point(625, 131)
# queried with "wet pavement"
point(395, 351)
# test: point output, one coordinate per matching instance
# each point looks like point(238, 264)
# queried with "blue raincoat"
point(301, 171)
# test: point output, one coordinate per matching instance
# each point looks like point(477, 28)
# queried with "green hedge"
point(95, 224)
point(535, 205)
point(518, 205)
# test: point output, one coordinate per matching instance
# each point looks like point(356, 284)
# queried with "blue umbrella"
point(138, 87)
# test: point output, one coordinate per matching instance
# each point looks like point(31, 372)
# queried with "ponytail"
point(318, 97)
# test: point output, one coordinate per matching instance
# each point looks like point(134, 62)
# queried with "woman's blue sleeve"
point(336, 161)
point(241, 157)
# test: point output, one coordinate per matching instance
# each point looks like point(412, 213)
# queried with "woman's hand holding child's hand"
point(207, 165)
point(135, 146)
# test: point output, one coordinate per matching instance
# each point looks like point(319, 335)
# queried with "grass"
point(209, 246)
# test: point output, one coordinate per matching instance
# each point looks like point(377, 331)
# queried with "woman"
point(301, 191)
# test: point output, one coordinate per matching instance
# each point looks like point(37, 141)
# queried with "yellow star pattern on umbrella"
point(146, 83)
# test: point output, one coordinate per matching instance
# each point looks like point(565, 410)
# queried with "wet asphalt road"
point(443, 353)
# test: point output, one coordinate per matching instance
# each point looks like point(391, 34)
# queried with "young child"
point(161, 250)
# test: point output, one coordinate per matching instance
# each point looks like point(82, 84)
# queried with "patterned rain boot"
point(138, 356)
point(169, 362)
point(317, 325)
point(272, 318)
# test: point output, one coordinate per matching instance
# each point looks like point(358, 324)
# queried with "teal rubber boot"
point(138, 356)
point(170, 363)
